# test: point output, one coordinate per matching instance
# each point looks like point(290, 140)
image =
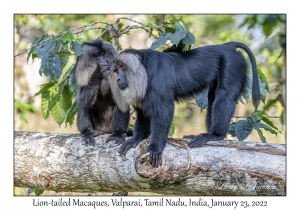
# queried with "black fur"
point(97, 111)
point(180, 75)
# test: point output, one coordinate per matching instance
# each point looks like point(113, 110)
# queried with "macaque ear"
point(130, 61)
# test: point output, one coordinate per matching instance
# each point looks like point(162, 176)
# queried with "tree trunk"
point(62, 163)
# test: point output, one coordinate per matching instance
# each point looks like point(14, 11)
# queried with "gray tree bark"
point(62, 163)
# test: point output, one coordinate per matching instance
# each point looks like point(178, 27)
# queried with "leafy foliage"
point(177, 32)
point(268, 22)
point(243, 128)
point(23, 108)
point(38, 192)
point(54, 51)
point(231, 130)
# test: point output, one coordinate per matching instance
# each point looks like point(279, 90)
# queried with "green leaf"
point(173, 20)
point(37, 41)
point(269, 104)
point(64, 53)
point(79, 40)
point(267, 28)
point(38, 192)
point(65, 100)
point(279, 56)
point(179, 48)
point(254, 122)
point(185, 25)
point(45, 87)
point(44, 49)
point(65, 46)
point(202, 99)
point(41, 70)
point(71, 113)
point(29, 53)
point(51, 66)
point(160, 41)
point(263, 78)
point(259, 114)
point(120, 25)
point(231, 130)
point(40, 38)
point(34, 55)
point(64, 60)
point(30, 190)
point(183, 34)
point(45, 106)
point(282, 118)
point(54, 97)
point(58, 114)
point(178, 27)
point(76, 48)
point(172, 129)
point(175, 38)
point(157, 17)
point(263, 90)
point(170, 30)
point(151, 30)
point(262, 138)
point(242, 129)
point(67, 38)
point(267, 128)
point(58, 46)
point(68, 73)
point(106, 36)
point(282, 17)
point(246, 20)
point(189, 39)
point(270, 123)
point(261, 18)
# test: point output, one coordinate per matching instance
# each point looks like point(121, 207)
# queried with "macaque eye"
point(99, 54)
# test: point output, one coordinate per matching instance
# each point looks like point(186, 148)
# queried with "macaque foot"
point(88, 137)
point(130, 143)
point(119, 138)
point(203, 138)
point(155, 155)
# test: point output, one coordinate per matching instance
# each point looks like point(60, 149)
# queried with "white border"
point(8, 8)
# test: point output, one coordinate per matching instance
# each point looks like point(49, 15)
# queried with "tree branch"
point(59, 34)
point(61, 163)
point(113, 31)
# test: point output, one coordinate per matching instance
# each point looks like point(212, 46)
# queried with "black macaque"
point(150, 81)
point(97, 111)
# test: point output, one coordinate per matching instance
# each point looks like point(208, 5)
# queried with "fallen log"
point(60, 162)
